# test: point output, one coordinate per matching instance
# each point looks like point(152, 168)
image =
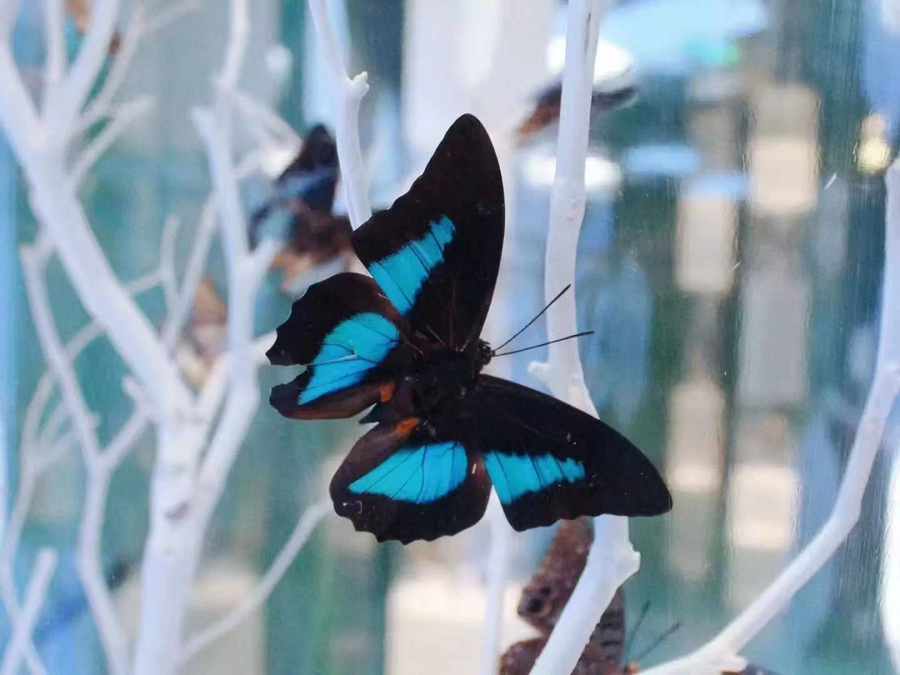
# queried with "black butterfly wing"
point(352, 340)
point(436, 251)
point(548, 460)
point(411, 480)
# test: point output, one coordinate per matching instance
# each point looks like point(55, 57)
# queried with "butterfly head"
point(483, 353)
point(537, 604)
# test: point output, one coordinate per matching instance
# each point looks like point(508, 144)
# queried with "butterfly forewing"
point(352, 340)
point(436, 251)
point(549, 460)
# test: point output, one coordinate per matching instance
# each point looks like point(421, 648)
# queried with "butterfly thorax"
point(446, 376)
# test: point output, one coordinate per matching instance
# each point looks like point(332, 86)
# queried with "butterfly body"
point(406, 342)
point(446, 377)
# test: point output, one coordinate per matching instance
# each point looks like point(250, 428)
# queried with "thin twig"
point(33, 269)
point(169, 15)
point(139, 27)
point(258, 115)
point(23, 625)
point(32, 466)
point(353, 172)
point(61, 117)
point(100, 107)
point(55, 62)
point(124, 115)
point(611, 559)
point(180, 312)
point(258, 596)
point(498, 571)
point(848, 505)
point(144, 284)
point(167, 259)
point(237, 45)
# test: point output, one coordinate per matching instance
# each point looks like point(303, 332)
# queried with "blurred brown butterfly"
point(545, 109)
point(303, 195)
point(545, 596)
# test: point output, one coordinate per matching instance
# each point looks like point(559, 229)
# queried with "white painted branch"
point(239, 28)
point(17, 112)
point(33, 261)
point(61, 117)
point(90, 570)
point(497, 573)
point(103, 296)
point(34, 436)
point(124, 115)
point(32, 466)
point(611, 559)
point(167, 260)
point(88, 556)
point(125, 439)
point(139, 27)
point(144, 284)
point(353, 173)
point(259, 115)
point(848, 505)
point(179, 314)
point(213, 391)
point(177, 529)
point(170, 14)
point(311, 517)
point(54, 37)
point(23, 625)
point(100, 107)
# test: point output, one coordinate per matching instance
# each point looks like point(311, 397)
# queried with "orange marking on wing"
point(404, 428)
point(386, 391)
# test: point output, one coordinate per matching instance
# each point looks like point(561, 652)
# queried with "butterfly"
point(405, 342)
point(545, 106)
point(304, 195)
point(545, 596)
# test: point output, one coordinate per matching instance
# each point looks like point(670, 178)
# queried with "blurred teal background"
point(730, 262)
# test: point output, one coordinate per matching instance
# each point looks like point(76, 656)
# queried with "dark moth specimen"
point(406, 341)
point(545, 597)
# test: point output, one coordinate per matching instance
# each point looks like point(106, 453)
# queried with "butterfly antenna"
point(634, 631)
point(544, 344)
point(538, 316)
point(658, 641)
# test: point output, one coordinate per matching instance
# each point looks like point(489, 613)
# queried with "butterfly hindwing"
point(350, 337)
point(436, 251)
point(549, 460)
point(407, 481)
